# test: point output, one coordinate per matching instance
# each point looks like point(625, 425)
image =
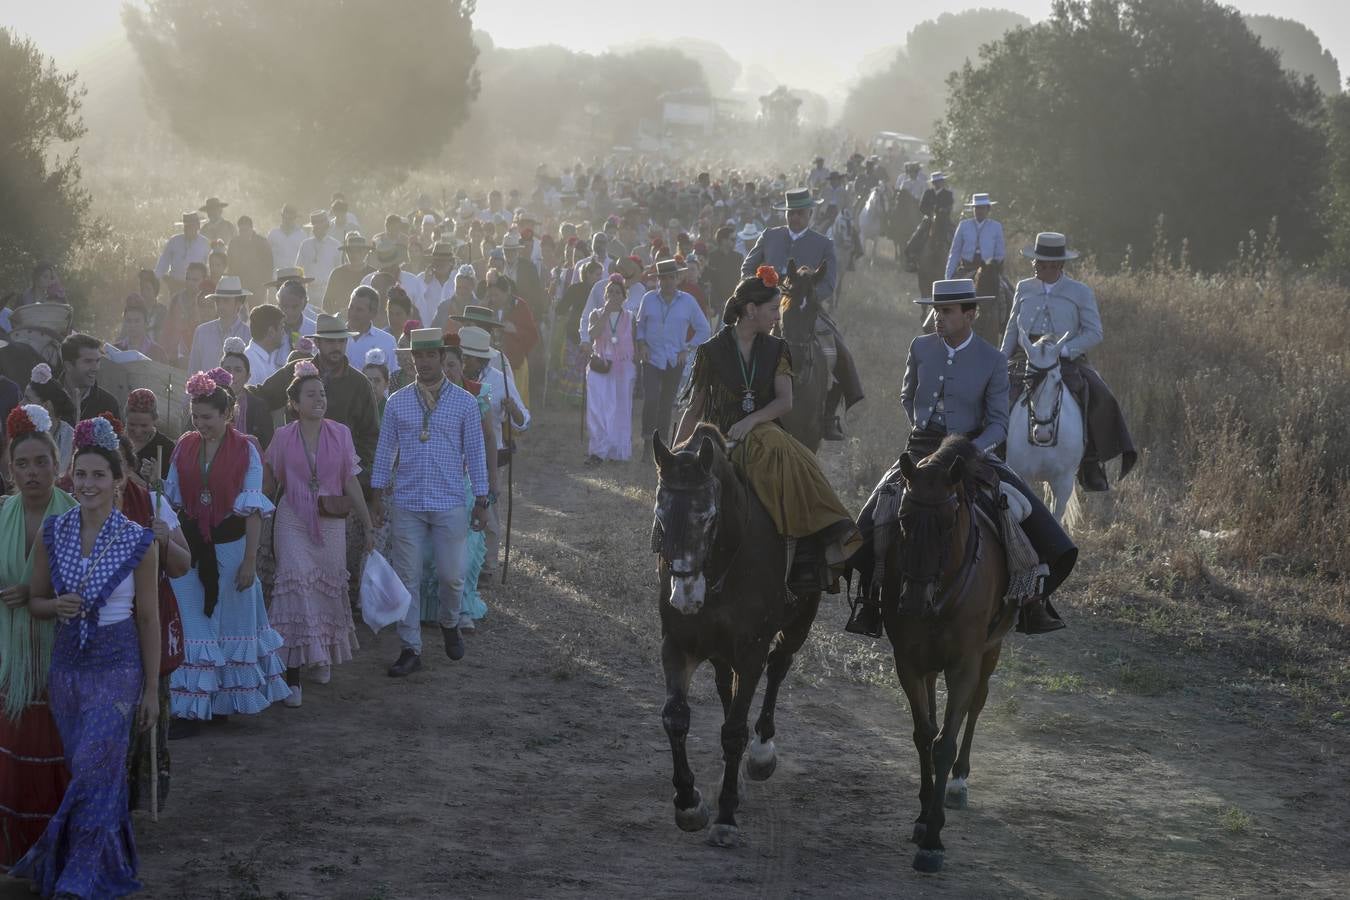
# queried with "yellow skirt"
point(788, 481)
point(522, 374)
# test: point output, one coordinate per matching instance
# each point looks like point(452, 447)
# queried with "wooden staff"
point(154, 729)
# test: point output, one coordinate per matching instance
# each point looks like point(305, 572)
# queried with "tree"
point(46, 209)
point(1300, 50)
point(306, 88)
point(1114, 112)
point(1337, 202)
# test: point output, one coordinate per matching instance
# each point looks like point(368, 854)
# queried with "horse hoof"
point(761, 762)
point(920, 832)
point(725, 836)
point(695, 818)
point(957, 795)
point(928, 861)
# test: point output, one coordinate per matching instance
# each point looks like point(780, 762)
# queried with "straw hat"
point(229, 287)
point(475, 342)
point(1052, 246)
point(331, 327)
point(288, 273)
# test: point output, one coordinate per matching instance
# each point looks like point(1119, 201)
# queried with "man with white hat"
point(1052, 303)
point(912, 181)
point(344, 279)
point(286, 238)
point(431, 434)
point(209, 339)
point(438, 282)
point(978, 240)
point(320, 253)
point(189, 246)
point(956, 383)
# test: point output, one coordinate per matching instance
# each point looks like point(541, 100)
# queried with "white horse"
point(1046, 436)
point(872, 221)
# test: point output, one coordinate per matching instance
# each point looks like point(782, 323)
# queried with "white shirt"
point(286, 246)
point(208, 342)
point(120, 603)
point(308, 325)
point(375, 337)
point(319, 257)
point(971, 236)
point(412, 285)
point(499, 385)
point(178, 252)
point(261, 363)
point(434, 293)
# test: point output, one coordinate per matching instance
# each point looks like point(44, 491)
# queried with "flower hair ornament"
point(411, 325)
point(234, 344)
point(768, 275)
point(96, 433)
point(41, 374)
point(305, 344)
point(112, 420)
point(376, 357)
point(23, 419)
point(142, 400)
point(200, 385)
point(306, 369)
point(221, 377)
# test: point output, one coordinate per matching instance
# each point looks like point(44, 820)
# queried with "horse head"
point(935, 490)
point(1046, 383)
point(688, 495)
point(799, 306)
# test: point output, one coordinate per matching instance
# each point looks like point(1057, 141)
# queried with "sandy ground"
point(537, 766)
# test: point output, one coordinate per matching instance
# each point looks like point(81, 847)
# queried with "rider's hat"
point(1052, 246)
point(797, 199)
point(952, 291)
point(981, 200)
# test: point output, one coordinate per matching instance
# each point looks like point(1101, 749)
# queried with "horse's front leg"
point(749, 667)
point(961, 684)
point(691, 813)
point(957, 795)
point(913, 684)
point(1061, 488)
point(763, 757)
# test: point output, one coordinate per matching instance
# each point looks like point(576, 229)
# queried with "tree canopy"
point(1114, 112)
point(306, 87)
point(46, 209)
point(1338, 186)
point(1300, 50)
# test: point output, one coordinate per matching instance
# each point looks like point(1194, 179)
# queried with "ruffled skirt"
point(33, 779)
point(310, 607)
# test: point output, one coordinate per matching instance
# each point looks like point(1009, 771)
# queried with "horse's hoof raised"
point(725, 836)
point(695, 818)
point(958, 795)
point(928, 861)
point(920, 831)
point(761, 761)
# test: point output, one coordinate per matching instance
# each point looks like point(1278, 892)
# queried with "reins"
point(1031, 383)
point(970, 558)
point(714, 585)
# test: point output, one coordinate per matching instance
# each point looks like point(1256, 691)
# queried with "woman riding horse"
point(742, 383)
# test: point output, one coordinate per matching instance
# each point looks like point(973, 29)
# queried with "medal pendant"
point(314, 485)
point(424, 436)
point(748, 402)
point(204, 498)
point(613, 340)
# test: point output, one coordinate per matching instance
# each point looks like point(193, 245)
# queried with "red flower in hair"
point(18, 423)
point(116, 422)
point(768, 275)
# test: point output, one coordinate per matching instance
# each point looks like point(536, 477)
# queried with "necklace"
point(204, 498)
point(747, 391)
point(428, 401)
point(313, 461)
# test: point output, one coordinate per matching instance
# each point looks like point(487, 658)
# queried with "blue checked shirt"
point(430, 476)
point(663, 327)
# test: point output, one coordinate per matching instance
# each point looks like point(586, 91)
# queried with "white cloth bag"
point(384, 599)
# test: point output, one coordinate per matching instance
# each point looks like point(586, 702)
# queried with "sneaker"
point(454, 643)
point(408, 662)
point(322, 673)
point(293, 700)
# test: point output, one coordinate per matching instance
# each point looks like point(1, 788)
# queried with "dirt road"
point(537, 767)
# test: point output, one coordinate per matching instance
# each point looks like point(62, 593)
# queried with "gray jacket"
point(1069, 308)
point(973, 385)
point(776, 246)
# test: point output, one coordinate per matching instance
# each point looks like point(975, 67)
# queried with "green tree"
point(304, 88)
point(1114, 112)
point(1337, 202)
point(1300, 50)
point(46, 209)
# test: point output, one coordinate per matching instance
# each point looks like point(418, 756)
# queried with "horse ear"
point(820, 271)
point(792, 266)
point(663, 455)
point(705, 454)
point(956, 472)
point(907, 466)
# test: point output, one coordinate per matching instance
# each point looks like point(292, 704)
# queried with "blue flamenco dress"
point(230, 663)
point(88, 849)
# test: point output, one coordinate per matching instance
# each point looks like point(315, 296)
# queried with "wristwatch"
point(481, 502)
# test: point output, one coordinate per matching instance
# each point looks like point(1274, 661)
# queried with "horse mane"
point(958, 446)
point(723, 470)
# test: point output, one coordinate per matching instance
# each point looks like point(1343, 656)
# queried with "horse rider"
point(935, 206)
point(957, 383)
point(937, 200)
point(834, 199)
point(978, 241)
point(912, 181)
point(1052, 303)
point(815, 180)
point(797, 242)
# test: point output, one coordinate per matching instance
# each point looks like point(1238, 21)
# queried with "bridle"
point(658, 531)
point(1032, 380)
point(968, 561)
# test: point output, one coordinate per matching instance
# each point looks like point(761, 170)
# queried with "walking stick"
point(510, 499)
point(154, 772)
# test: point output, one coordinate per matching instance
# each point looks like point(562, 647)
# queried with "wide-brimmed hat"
point(317, 216)
point(189, 217)
point(937, 176)
point(482, 316)
point(426, 339)
point(669, 267)
point(800, 198)
point(980, 200)
point(229, 287)
point(750, 232)
point(1052, 246)
point(288, 273)
point(474, 341)
point(355, 241)
point(389, 251)
point(952, 291)
point(511, 241)
point(442, 250)
point(212, 203)
point(331, 327)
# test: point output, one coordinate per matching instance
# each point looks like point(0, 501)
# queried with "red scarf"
point(226, 477)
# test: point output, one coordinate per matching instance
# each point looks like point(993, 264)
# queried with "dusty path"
point(537, 767)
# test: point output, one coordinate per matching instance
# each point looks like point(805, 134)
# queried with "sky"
point(780, 36)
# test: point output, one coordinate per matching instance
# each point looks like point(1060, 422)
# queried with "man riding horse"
point(957, 383)
point(797, 241)
point(934, 229)
point(978, 246)
point(1052, 303)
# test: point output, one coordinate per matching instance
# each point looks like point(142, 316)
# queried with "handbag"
point(334, 507)
point(599, 364)
point(171, 644)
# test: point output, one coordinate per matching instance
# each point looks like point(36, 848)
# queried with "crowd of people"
point(346, 395)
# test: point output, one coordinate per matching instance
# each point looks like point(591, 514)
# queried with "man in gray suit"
point(957, 383)
point(796, 241)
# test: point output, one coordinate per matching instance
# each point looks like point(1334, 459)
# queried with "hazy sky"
point(752, 31)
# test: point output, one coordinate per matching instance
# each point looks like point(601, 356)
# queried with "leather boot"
point(809, 574)
point(1092, 476)
point(1037, 619)
point(865, 619)
point(831, 429)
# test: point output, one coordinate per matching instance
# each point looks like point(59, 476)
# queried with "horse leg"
point(961, 684)
point(735, 735)
point(958, 795)
point(691, 814)
point(913, 684)
point(726, 684)
point(1061, 488)
point(763, 757)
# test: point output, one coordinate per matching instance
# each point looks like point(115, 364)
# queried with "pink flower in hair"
point(200, 385)
point(306, 369)
point(221, 377)
point(305, 344)
point(41, 374)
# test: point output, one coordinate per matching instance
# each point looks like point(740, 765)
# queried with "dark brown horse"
point(722, 598)
point(928, 248)
point(942, 599)
point(989, 282)
point(810, 369)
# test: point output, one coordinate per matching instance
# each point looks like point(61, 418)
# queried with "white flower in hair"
point(234, 344)
point(376, 357)
point(41, 374)
point(39, 417)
